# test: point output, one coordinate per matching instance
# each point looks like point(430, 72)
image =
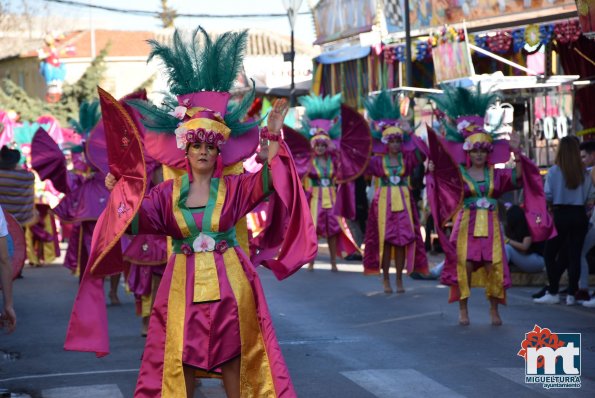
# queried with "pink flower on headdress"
point(190, 136)
point(200, 134)
point(463, 125)
point(181, 137)
point(467, 146)
point(179, 112)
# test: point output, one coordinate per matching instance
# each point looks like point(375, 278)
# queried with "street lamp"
point(292, 7)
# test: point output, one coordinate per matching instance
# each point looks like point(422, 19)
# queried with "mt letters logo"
point(552, 359)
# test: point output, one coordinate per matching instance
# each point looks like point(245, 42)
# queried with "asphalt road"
point(341, 337)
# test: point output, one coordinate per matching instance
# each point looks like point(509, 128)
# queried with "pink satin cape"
point(88, 321)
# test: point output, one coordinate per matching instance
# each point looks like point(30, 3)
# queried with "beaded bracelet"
point(264, 133)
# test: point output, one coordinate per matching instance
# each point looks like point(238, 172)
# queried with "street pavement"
point(340, 334)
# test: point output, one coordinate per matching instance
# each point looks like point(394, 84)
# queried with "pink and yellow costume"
point(393, 216)
point(210, 307)
point(473, 204)
point(328, 178)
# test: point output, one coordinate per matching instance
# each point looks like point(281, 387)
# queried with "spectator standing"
point(567, 189)
point(8, 317)
point(16, 187)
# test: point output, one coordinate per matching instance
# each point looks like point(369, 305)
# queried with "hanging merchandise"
point(499, 43)
point(538, 129)
point(399, 53)
point(567, 32)
point(518, 40)
point(482, 42)
point(561, 126)
point(499, 118)
point(532, 35)
point(548, 128)
point(423, 50)
point(562, 121)
point(545, 33)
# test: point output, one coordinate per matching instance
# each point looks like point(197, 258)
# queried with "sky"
point(304, 28)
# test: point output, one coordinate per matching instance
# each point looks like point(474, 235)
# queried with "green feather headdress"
point(89, 115)
point(200, 64)
point(318, 107)
point(458, 103)
point(381, 108)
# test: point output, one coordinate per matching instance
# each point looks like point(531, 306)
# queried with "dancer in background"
point(468, 191)
point(338, 152)
point(393, 222)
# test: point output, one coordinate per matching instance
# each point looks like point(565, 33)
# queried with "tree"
point(85, 89)
point(167, 15)
point(12, 96)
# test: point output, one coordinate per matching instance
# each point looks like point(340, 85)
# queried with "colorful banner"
point(451, 61)
point(336, 19)
point(426, 14)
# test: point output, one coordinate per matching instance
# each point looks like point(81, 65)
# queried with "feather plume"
point(154, 118)
point(459, 101)
point(89, 115)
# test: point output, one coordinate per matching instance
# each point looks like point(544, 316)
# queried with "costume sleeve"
point(413, 159)
point(247, 190)
point(291, 229)
point(150, 217)
point(505, 180)
point(375, 167)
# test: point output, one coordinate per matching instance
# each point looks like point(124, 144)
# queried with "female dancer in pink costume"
point(338, 152)
point(464, 184)
point(393, 223)
point(210, 315)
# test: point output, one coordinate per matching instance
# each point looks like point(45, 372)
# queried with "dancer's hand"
point(110, 181)
point(277, 116)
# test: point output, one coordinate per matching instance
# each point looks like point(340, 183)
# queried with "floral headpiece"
point(386, 120)
point(471, 127)
point(464, 113)
point(322, 116)
point(199, 125)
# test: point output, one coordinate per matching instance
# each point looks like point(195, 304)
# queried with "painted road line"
point(48, 375)
point(399, 383)
point(401, 318)
point(94, 391)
